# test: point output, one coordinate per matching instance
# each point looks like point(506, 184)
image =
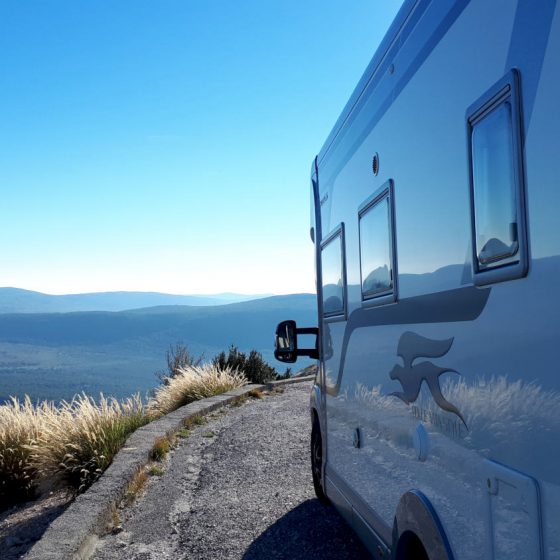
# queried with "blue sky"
point(167, 145)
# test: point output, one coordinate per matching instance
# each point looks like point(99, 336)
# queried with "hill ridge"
point(20, 300)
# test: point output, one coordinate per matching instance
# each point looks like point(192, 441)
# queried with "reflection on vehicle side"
point(457, 305)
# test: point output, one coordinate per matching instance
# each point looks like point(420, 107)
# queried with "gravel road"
point(239, 487)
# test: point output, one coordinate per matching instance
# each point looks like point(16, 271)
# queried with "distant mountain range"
point(16, 300)
point(56, 355)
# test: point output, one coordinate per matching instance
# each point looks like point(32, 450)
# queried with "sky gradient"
point(166, 146)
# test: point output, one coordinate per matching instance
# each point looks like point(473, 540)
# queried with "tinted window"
point(494, 187)
point(375, 249)
point(333, 283)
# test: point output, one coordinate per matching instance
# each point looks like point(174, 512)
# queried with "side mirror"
point(286, 344)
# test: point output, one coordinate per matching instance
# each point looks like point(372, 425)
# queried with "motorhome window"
point(495, 206)
point(375, 248)
point(333, 276)
point(498, 220)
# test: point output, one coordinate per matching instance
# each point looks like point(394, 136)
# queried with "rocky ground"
point(237, 487)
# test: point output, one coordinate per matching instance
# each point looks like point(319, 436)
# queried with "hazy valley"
point(55, 355)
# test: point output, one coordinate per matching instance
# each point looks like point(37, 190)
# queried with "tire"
point(410, 548)
point(317, 461)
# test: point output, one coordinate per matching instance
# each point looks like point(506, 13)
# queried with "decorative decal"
point(412, 346)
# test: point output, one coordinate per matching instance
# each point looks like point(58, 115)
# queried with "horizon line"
point(191, 294)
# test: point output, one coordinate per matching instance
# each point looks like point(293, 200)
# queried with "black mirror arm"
point(311, 352)
point(308, 330)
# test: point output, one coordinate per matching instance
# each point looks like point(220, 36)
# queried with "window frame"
point(386, 191)
point(337, 315)
point(505, 90)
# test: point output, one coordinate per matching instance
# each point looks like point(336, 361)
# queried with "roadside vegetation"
point(192, 383)
point(79, 439)
point(43, 445)
point(178, 357)
point(67, 445)
point(21, 424)
point(253, 366)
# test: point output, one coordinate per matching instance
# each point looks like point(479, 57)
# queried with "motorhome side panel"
point(439, 341)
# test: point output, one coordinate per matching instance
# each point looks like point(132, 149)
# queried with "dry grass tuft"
point(21, 425)
point(256, 394)
point(80, 438)
point(161, 448)
point(191, 384)
point(136, 486)
point(196, 420)
point(114, 526)
point(241, 400)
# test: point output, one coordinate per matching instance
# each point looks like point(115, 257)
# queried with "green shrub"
point(253, 367)
point(286, 375)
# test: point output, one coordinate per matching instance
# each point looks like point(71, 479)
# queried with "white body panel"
point(494, 479)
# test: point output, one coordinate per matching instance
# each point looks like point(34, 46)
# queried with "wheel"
point(317, 460)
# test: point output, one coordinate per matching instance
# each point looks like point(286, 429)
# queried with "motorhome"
point(436, 201)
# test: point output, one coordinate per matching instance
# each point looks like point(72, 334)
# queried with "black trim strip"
point(452, 306)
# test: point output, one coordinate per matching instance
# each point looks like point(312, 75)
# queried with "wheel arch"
point(315, 400)
point(317, 410)
point(417, 518)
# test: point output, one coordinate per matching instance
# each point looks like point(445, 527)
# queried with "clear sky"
point(167, 145)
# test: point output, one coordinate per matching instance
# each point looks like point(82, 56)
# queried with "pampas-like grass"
point(21, 425)
point(79, 440)
point(193, 383)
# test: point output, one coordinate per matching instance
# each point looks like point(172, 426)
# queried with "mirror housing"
point(286, 343)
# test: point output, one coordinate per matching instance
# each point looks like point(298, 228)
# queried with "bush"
point(178, 357)
point(80, 438)
point(255, 369)
point(21, 424)
point(286, 375)
point(191, 384)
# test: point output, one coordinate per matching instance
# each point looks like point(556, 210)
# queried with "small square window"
point(377, 262)
point(333, 273)
point(496, 184)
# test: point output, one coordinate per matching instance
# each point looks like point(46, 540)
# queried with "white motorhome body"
point(436, 201)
